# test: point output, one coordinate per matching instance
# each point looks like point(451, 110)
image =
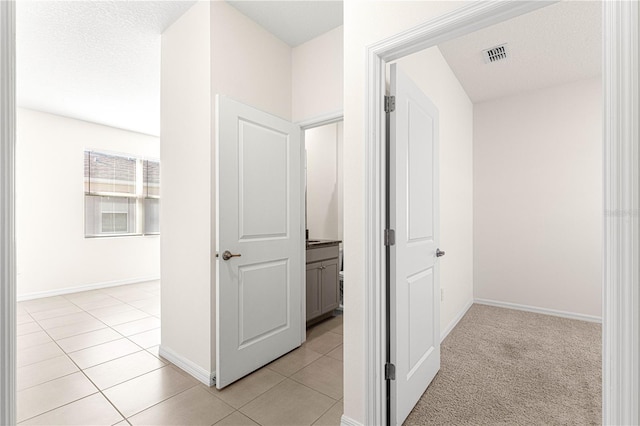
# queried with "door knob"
point(439, 253)
point(228, 255)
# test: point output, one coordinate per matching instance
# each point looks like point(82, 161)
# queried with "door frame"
point(621, 281)
point(322, 120)
point(7, 213)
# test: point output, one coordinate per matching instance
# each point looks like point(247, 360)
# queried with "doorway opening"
point(88, 143)
point(323, 216)
point(432, 33)
point(502, 192)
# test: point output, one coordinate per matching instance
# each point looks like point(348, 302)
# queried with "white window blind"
point(122, 195)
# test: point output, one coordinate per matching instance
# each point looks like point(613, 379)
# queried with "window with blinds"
point(122, 195)
point(151, 190)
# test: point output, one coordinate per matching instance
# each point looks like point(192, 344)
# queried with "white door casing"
point(413, 214)
point(8, 271)
point(258, 216)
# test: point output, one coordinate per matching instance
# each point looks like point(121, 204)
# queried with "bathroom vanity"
point(323, 287)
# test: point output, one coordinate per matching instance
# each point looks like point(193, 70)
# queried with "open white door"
point(414, 295)
point(258, 290)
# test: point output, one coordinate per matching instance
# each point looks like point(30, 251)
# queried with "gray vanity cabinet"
point(314, 278)
point(323, 290)
point(330, 285)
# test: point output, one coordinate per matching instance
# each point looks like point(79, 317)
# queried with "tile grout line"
point(228, 415)
point(271, 388)
point(33, 333)
point(258, 396)
point(160, 402)
point(281, 381)
point(102, 291)
point(63, 405)
point(48, 381)
point(26, 334)
point(82, 370)
point(316, 390)
point(126, 419)
point(89, 313)
point(66, 354)
point(142, 349)
point(112, 327)
point(127, 303)
point(325, 412)
point(47, 359)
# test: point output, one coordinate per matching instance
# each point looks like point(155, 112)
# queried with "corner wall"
point(212, 49)
point(538, 199)
point(53, 256)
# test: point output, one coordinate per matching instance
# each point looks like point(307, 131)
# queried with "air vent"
point(495, 54)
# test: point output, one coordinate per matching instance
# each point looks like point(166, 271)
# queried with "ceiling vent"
point(495, 54)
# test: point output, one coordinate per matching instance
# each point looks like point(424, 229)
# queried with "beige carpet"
point(506, 367)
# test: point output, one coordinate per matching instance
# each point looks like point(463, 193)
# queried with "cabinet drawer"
point(322, 253)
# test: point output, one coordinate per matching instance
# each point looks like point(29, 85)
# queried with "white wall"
point(538, 198)
point(363, 26)
point(52, 253)
point(318, 76)
point(186, 208)
point(430, 71)
point(248, 63)
point(323, 182)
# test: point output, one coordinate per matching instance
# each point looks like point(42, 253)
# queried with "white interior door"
point(258, 292)
point(413, 214)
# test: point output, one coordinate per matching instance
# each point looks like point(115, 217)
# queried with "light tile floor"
point(92, 358)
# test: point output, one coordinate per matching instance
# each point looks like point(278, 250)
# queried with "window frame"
point(139, 195)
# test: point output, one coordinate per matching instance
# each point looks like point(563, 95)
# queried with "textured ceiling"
point(293, 22)
point(100, 60)
point(551, 46)
point(97, 61)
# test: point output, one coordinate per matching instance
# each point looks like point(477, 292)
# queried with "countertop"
point(311, 243)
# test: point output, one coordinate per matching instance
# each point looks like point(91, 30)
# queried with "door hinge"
point(389, 371)
point(389, 104)
point(389, 237)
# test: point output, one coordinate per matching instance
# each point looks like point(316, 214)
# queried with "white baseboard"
point(456, 320)
point(546, 311)
point(347, 421)
point(199, 373)
point(86, 287)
